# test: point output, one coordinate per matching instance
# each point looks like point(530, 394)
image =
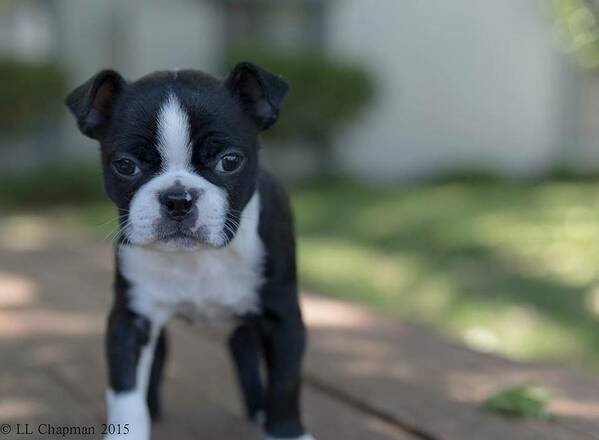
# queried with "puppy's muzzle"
point(178, 202)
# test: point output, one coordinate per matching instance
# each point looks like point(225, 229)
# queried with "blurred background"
point(443, 157)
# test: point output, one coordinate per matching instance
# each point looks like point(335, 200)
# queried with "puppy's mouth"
point(178, 234)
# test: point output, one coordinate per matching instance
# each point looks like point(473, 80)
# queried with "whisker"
point(110, 233)
point(106, 222)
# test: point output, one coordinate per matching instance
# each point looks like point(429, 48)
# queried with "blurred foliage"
point(578, 28)
point(55, 184)
point(324, 94)
point(520, 401)
point(30, 93)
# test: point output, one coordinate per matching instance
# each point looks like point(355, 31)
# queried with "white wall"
point(463, 84)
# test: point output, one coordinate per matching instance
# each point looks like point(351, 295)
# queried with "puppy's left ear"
point(259, 91)
point(92, 102)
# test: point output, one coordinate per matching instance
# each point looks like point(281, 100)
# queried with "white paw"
point(128, 417)
point(303, 437)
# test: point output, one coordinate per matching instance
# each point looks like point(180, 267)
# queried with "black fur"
point(281, 325)
point(122, 117)
point(260, 93)
point(246, 350)
point(156, 374)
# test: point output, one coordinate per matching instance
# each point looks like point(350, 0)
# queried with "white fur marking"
point(129, 409)
point(174, 146)
point(144, 210)
point(174, 143)
point(209, 284)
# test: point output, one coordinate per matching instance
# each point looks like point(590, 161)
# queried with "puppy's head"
point(179, 149)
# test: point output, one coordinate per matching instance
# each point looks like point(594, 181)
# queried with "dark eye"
point(229, 163)
point(125, 167)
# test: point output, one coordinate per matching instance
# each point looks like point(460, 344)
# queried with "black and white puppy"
point(205, 233)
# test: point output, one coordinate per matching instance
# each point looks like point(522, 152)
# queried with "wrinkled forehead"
point(171, 115)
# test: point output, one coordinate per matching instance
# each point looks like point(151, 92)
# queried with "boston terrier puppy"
point(205, 233)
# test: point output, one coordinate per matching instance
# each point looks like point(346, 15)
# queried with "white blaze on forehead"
point(174, 146)
point(173, 139)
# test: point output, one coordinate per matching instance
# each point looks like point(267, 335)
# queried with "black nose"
point(177, 204)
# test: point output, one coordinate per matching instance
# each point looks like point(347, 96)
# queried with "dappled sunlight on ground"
point(323, 316)
point(576, 408)
point(19, 408)
point(404, 370)
point(24, 232)
point(16, 290)
point(25, 311)
point(505, 267)
point(17, 324)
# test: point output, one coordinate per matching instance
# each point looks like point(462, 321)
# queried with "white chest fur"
point(208, 284)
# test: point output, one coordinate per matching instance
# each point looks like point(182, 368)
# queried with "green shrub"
point(324, 94)
point(53, 185)
point(30, 93)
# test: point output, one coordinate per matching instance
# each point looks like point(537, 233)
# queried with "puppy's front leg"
point(284, 344)
point(130, 343)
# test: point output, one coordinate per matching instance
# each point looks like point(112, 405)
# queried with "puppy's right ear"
point(92, 102)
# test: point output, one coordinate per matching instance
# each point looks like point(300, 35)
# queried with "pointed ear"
point(259, 91)
point(92, 102)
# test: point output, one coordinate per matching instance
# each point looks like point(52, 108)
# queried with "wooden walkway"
point(367, 378)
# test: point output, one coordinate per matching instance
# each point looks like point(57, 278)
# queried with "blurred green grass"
point(505, 267)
